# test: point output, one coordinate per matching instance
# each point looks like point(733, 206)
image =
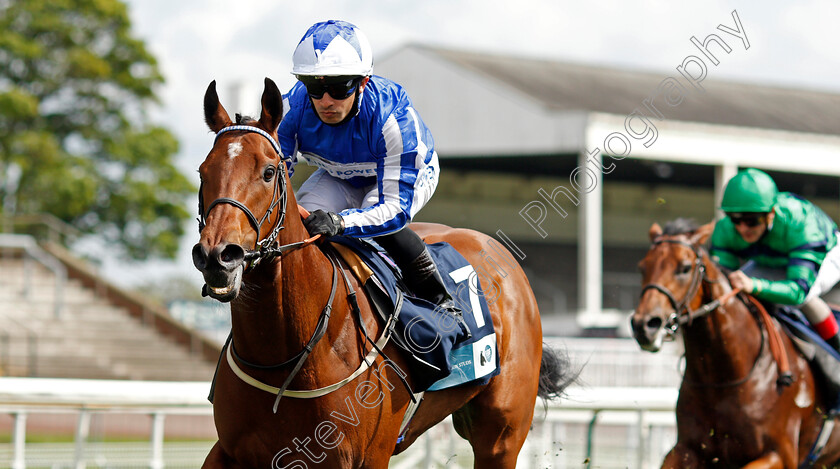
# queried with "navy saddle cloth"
point(441, 353)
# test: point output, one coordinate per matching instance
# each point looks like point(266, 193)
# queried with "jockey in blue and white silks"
point(377, 165)
point(383, 157)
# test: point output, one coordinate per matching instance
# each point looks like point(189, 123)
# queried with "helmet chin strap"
point(354, 111)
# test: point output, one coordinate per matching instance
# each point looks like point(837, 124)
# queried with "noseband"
point(265, 248)
point(682, 316)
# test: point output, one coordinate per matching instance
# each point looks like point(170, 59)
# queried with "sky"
point(792, 44)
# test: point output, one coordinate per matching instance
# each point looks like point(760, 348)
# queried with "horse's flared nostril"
point(653, 324)
point(230, 256)
point(634, 325)
point(199, 255)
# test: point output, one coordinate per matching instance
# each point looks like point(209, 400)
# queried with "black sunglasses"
point(751, 220)
point(337, 89)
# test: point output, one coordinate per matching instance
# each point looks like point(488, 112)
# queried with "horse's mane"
point(244, 120)
point(680, 226)
point(684, 226)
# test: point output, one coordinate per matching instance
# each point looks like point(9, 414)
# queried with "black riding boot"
point(419, 271)
point(834, 342)
point(423, 278)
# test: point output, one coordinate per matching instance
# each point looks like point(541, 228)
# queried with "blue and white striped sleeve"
point(407, 147)
point(287, 135)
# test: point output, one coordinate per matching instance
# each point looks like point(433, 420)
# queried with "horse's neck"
point(278, 309)
point(722, 346)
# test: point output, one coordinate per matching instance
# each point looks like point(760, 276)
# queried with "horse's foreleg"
point(681, 457)
point(770, 460)
point(218, 459)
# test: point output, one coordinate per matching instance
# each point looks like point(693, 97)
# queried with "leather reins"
point(268, 249)
point(682, 315)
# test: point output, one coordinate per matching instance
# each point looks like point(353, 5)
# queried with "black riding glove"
point(325, 223)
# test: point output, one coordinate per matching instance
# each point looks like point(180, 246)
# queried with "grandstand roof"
point(540, 120)
point(571, 86)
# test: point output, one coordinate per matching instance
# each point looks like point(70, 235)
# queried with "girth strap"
point(354, 309)
point(819, 444)
point(416, 399)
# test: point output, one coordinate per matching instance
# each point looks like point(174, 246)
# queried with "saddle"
point(441, 355)
point(824, 360)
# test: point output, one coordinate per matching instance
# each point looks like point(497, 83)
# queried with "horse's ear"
point(214, 114)
point(655, 232)
point(272, 107)
point(701, 235)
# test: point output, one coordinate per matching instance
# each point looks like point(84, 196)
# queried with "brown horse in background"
point(731, 411)
point(278, 307)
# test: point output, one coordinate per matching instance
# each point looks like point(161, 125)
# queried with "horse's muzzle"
point(222, 267)
point(648, 330)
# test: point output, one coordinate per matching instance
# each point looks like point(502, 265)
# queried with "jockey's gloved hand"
point(325, 223)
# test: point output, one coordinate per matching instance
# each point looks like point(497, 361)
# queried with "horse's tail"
point(556, 373)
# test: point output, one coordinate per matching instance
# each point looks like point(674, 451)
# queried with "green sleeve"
point(723, 244)
point(725, 259)
point(803, 236)
point(786, 292)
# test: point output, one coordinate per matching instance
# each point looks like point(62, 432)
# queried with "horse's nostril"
point(199, 256)
point(654, 323)
point(227, 255)
point(231, 255)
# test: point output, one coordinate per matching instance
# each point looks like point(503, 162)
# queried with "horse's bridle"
point(265, 248)
point(682, 314)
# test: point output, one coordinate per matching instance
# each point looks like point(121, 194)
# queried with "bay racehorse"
point(292, 328)
point(733, 410)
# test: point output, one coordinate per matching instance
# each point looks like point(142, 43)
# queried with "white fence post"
point(82, 432)
point(642, 439)
point(19, 439)
point(156, 461)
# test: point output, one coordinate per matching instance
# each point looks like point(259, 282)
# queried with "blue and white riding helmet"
point(333, 48)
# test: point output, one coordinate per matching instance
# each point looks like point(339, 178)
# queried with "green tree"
point(75, 86)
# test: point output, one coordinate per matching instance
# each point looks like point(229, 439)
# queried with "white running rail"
point(606, 426)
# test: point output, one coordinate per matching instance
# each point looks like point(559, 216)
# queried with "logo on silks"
point(486, 355)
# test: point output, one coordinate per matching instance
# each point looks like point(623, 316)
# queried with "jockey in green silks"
point(782, 232)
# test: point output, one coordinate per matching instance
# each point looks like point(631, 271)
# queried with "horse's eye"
point(269, 173)
point(683, 269)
